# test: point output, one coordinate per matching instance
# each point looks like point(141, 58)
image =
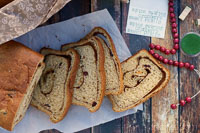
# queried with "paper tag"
point(145, 20)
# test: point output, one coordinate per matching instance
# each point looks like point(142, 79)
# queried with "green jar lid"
point(190, 44)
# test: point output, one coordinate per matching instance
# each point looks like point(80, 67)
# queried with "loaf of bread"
point(89, 87)
point(4, 2)
point(53, 94)
point(143, 78)
point(20, 70)
point(114, 81)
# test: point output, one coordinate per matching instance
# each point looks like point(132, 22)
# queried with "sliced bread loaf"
point(89, 87)
point(114, 82)
point(20, 70)
point(143, 77)
point(53, 94)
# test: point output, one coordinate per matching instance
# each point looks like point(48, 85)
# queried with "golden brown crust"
point(18, 65)
point(102, 73)
point(102, 31)
point(101, 70)
point(151, 94)
point(71, 83)
point(69, 92)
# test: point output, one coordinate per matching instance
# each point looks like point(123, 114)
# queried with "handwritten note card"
point(145, 18)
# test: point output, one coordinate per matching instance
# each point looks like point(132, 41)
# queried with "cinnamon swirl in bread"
point(53, 94)
point(143, 78)
point(112, 64)
point(89, 87)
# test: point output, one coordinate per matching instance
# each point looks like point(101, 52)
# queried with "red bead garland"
point(173, 106)
point(181, 64)
point(188, 99)
point(170, 62)
point(187, 65)
point(174, 30)
point(175, 63)
point(172, 51)
point(182, 102)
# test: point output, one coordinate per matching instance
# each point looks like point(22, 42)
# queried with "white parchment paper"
point(54, 36)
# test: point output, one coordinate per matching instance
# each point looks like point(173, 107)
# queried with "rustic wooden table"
point(156, 116)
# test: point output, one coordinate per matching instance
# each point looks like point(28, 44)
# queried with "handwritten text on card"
point(146, 22)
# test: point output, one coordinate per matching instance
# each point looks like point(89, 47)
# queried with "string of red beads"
point(172, 51)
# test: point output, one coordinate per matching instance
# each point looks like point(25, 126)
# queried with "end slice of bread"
point(143, 78)
point(89, 87)
point(20, 70)
point(114, 81)
point(53, 94)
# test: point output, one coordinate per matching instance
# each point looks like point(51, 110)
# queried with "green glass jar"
point(190, 44)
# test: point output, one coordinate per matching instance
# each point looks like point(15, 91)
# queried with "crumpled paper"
point(53, 36)
point(22, 16)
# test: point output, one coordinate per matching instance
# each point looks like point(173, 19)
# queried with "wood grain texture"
point(109, 127)
point(73, 9)
point(50, 131)
point(164, 120)
point(189, 85)
point(113, 6)
point(141, 121)
point(89, 130)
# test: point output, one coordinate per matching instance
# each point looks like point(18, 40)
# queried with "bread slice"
point(20, 70)
point(114, 76)
point(53, 94)
point(89, 85)
point(143, 78)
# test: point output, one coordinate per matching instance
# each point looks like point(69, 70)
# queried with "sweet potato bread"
point(114, 81)
point(143, 78)
point(20, 69)
point(89, 87)
point(53, 94)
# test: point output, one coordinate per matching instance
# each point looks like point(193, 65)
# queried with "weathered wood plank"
point(50, 131)
point(75, 8)
point(189, 85)
point(109, 127)
point(113, 7)
point(85, 131)
point(141, 121)
point(72, 9)
point(164, 120)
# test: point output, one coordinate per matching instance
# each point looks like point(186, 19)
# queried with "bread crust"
point(69, 85)
point(18, 65)
point(101, 69)
point(151, 94)
point(102, 31)
point(102, 73)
